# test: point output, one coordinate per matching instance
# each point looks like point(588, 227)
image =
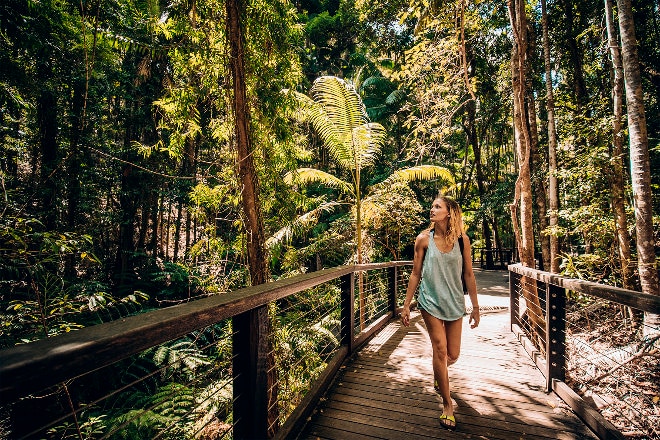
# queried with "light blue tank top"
point(441, 287)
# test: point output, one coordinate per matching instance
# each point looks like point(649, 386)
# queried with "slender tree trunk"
point(256, 249)
point(471, 131)
point(639, 160)
point(523, 230)
point(575, 56)
point(168, 228)
point(47, 119)
point(74, 160)
point(553, 192)
point(538, 182)
point(156, 219)
point(177, 230)
point(128, 210)
point(617, 171)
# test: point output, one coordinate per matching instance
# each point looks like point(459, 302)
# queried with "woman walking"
point(441, 263)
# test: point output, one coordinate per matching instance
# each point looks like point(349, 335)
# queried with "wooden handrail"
point(554, 365)
point(36, 366)
point(638, 300)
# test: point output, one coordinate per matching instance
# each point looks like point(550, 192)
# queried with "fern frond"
point(309, 175)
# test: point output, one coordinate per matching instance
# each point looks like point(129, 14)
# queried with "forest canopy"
point(121, 171)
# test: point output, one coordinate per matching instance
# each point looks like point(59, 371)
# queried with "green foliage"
point(38, 299)
point(339, 117)
point(306, 334)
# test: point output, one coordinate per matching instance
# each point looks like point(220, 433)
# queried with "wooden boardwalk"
point(385, 391)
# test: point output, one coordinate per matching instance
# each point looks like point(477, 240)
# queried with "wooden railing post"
point(393, 286)
point(514, 306)
point(555, 330)
point(250, 369)
point(347, 310)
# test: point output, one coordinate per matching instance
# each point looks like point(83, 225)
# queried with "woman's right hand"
point(405, 316)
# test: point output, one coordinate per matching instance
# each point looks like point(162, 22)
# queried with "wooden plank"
point(404, 424)
point(550, 420)
point(385, 390)
point(321, 432)
point(593, 418)
point(484, 402)
point(368, 424)
point(510, 399)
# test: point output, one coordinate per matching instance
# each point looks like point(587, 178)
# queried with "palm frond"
point(342, 111)
point(301, 224)
point(368, 140)
point(309, 175)
point(333, 136)
point(340, 101)
point(422, 172)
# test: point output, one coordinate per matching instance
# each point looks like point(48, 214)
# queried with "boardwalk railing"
point(246, 364)
point(592, 344)
point(494, 258)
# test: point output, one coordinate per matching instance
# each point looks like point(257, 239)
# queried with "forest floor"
point(613, 367)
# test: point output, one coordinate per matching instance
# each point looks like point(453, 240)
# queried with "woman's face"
point(439, 211)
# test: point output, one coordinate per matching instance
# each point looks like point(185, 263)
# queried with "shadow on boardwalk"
point(385, 391)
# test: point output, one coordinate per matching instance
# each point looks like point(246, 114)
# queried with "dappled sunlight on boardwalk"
point(386, 391)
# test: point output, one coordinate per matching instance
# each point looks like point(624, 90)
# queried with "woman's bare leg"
point(446, 342)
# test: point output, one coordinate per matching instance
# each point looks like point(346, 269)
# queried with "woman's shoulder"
point(423, 237)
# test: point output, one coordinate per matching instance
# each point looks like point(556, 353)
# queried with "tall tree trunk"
point(471, 131)
point(553, 191)
point(523, 230)
point(128, 209)
point(256, 249)
point(156, 220)
point(617, 171)
point(575, 55)
point(538, 184)
point(177, 230)
point(47, 119)
point(639, 160)
point(75, 159)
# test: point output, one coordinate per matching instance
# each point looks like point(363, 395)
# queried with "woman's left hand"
point(474, 317)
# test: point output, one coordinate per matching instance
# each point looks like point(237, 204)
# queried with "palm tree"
point(338, 114)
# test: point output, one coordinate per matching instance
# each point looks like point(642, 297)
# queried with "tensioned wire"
point(607, 372)
point(529, 326)
point(375, 292)
point(197, 379)
point(575, 365)
point(128, 386)
point(317, 315)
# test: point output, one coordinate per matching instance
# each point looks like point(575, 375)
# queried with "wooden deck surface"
point(385, 391)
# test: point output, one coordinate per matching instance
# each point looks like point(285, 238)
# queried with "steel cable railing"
point(306, 335)
point(615, 369)
point(196, 370)
point(595, 348)
point(375, 298)
point(144, 385)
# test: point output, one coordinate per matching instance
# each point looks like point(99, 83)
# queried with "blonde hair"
point(455, 223)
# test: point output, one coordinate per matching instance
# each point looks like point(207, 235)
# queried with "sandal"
point(448, 422)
